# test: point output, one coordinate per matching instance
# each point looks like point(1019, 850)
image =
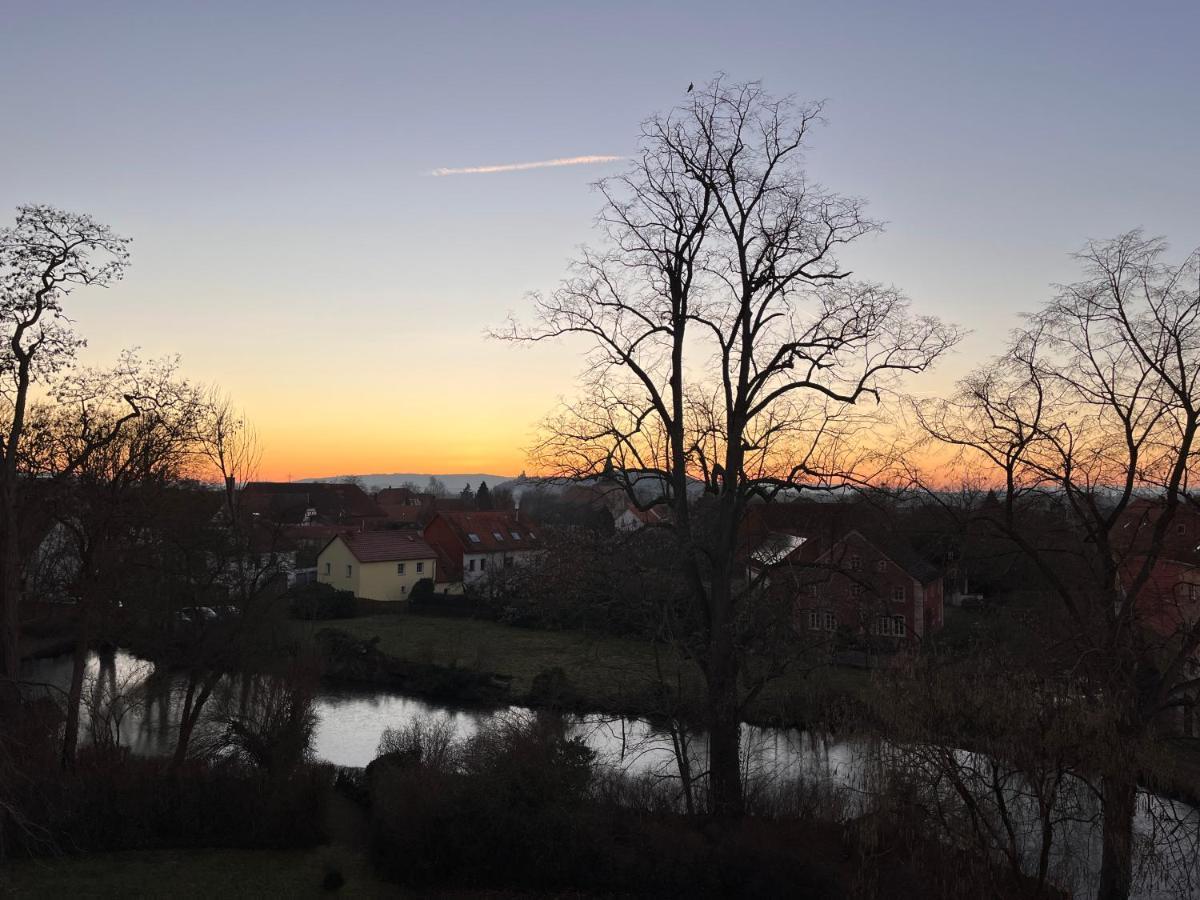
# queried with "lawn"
point(608, 673)
point(199, 873)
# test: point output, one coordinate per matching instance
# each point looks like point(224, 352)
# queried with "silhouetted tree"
point(43, 256)
point(114, 468)
point(729, 351)
point(1094, 411)
point(483, 497)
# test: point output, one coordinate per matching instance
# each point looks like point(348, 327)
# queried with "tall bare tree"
point(43, 256)
point(228, 447)
point(109, 467)
point(729, 350)
point(1093, 412)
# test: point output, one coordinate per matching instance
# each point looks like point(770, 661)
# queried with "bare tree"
point(729, 350)
point(1093, 413)
point(43, 256)
point(228, 447)
point(111, 465)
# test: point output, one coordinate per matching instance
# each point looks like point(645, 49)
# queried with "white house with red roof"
point(377, 565)
point(471, 546)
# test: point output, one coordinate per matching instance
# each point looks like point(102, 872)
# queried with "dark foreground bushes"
point(125, 802)
point(320, 601)
point(517, 808)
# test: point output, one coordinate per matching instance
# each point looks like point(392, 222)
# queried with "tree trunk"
point(74, 697)
point(724, 736)
point(724, 760)
point(10, 592)
point(193, 705)
point(186, 722)
point(1119, 792)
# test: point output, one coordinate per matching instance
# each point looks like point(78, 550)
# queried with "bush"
point(523, 807)
point(124, 802)
point(320, 601)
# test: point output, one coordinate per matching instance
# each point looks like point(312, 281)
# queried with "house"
point(843, 570)
point(630, 518)
point(473, 545)
point(376, 565)
point(311, 503)
point(1169, 601)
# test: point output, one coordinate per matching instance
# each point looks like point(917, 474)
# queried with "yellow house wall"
point(381, 581)
point(335, 558)
point(370, 581)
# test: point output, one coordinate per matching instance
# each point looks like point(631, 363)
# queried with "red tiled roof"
point(399, 495)
point(287, 502)
point(404, 513)
point(386, 546)
point(485, 526)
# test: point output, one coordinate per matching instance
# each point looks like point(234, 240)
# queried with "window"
point(814, 590)
point(856, 564)
point(532, 536)
point(898, 594)
point(404, 588)
point(473, 537)
point(399, 568)
point(856, 590)
point(822, 620)
point(470, 565)
point(420, 567)
point(891, 626)
point(497, 535)
point(508, 562)
point(349, 569)
point(516, 535)
point(881, 565)
point(1181, 528)
point(483, 564)
point(328, 567)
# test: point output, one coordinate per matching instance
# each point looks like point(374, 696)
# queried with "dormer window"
point(516, 535)
point(497, 535)
point(473, 537)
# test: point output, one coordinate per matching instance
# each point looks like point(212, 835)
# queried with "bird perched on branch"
point(690, 86)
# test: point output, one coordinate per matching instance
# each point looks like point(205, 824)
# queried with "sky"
point(272, 163)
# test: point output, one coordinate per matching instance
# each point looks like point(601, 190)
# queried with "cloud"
point(522, 166)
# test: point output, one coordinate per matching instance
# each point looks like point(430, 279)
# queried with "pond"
point(836, 776)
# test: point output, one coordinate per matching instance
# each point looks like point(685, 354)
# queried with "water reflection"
point(846, 774)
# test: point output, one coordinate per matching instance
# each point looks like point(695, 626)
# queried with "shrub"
point(320, 601)
point(124, 802)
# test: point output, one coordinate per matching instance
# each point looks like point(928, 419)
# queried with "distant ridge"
point(454, 483)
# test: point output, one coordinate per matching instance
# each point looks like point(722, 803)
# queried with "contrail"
point(521, 167)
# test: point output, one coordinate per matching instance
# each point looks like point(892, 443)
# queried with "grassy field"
point(183, 874)
point(607, 673)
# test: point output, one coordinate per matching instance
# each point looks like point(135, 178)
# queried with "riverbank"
point(587, 672)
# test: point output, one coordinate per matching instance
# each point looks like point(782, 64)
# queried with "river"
point(825, 774)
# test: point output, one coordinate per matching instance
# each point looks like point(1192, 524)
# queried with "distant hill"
point(454, 483)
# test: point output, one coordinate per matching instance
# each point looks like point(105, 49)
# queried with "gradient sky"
point(271, 162)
